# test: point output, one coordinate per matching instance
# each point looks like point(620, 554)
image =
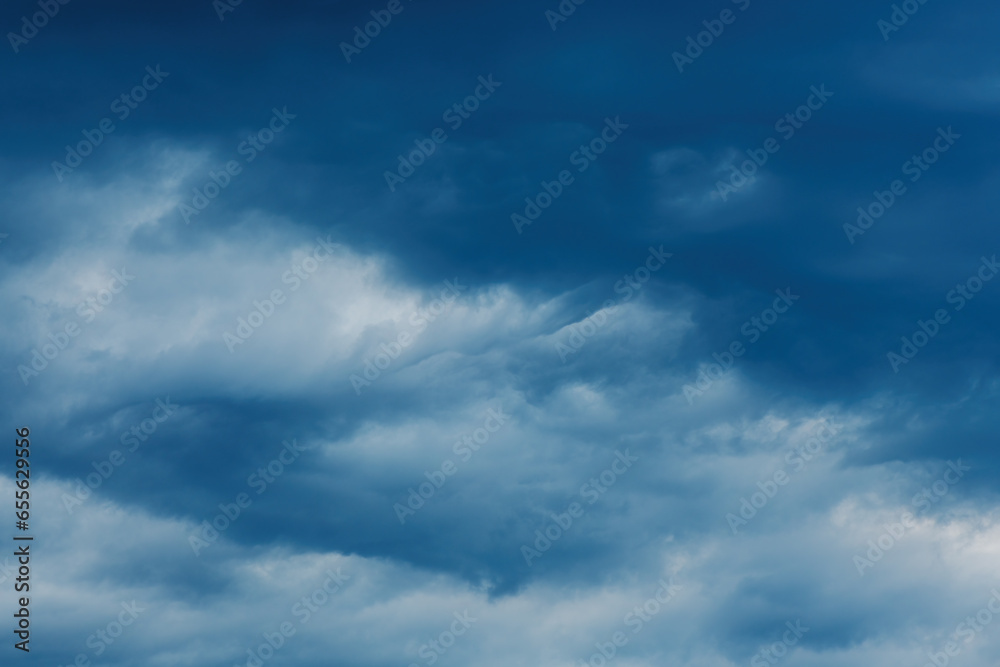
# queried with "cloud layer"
point(603, 371)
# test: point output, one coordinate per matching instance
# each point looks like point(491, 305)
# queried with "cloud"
point(398, 386)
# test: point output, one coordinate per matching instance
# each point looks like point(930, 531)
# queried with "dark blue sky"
point(485, 208)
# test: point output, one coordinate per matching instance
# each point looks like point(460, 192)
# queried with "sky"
point(543, 333)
